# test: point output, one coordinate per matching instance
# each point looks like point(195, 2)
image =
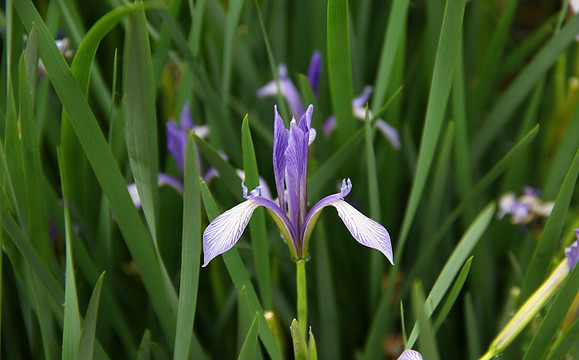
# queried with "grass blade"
point(548, 328)
point(71, 331)
point(340, 67)
point(521, 87)
point(240, 279)
point(87, 338)
point(140, 115)
point(249, 347)
point(259, 240)
point(106, 170)
point(427, 341)
point(464, 248)
point(439, 92)
point(396, 23)
point(190, 253)
point(453, 294)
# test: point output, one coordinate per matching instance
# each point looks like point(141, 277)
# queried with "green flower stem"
point(302, 299)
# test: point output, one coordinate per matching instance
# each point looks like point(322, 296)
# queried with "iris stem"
point(302, 299)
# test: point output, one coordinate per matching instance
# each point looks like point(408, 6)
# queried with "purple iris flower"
point(176, 145)
point(290, 162)
point(526, 208)
point(410, 355)
point(290, 93)
point(572, 252)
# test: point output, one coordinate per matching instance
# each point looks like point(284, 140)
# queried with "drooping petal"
point(168, 180)
point(410, 355)
point(287, 89)
point(280, 140)
point(226, 229)
point(361, 100)
point(389, 133)
point(176, 141)
point(364, 230)
point(314, 71)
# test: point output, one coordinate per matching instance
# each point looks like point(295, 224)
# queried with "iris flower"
point(526, 208)
point(290, 162)
point(176, 143)
point(292, 96)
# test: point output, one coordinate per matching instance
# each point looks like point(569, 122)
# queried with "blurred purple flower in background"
point(526, 208)
point(176, 145)
point(292, 96)
point(290, 163)
point(572, 252)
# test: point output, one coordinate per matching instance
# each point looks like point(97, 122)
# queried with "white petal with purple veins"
point(365, 230)
point(226, 229)
point(410, 355)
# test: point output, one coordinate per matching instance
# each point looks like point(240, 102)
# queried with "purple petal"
point(528, 190)
point(364, 230)
point(362, 99)
point(389, 133)
point(572, 252)
point(186, 119)
point(226, 229)
point(280, 140)
point(314, 71)
point(168, 180)
point(210, 175)
point(330, 125)
point(305, 124)
point(287, 89)
point(176, 142)
point(296, 166)
point(410, 355)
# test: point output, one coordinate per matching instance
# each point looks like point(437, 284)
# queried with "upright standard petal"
point(176, 141)
point(186, 119)
point(314, 71)
point(296, 167)
point(280, 135)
